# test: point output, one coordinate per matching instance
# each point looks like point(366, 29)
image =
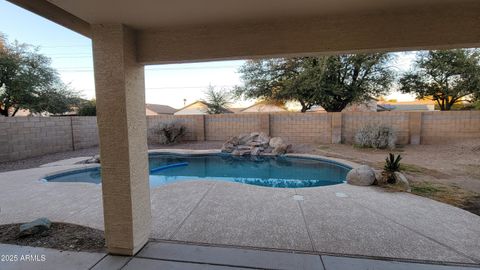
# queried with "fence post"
point(72, 133)
point(336, 127)
point(415, 127)
point(264, 125)
point(199, 124)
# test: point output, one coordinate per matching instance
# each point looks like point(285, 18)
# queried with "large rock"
point(401, 180)
point(254, 144)
point(280, 149)
point(37, 226)
point(228, 147)
point(94, 159)
point(361, 176)
point(256, 151)
point(276, 141)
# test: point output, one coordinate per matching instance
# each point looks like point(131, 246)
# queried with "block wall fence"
point(23, 137)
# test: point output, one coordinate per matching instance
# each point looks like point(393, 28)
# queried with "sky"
point(171, 84)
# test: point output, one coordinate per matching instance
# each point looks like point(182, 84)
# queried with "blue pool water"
point(279, 172)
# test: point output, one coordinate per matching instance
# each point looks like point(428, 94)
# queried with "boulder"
point(255, 143)
point(401, 180)
point(263, 139)
point(228, 147)
point(361, 176)
point(276, 141)
point(247, 138)
point(280, 149)
point(238, 152)
point(379, 176)
point(94, 159)
point(37, 226)
point(256, 151)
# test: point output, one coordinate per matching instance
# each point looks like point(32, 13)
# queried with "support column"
point(120, 94)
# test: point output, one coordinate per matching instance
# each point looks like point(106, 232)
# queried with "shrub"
point(88, 108)
point(170, 132)
point(392, 165)
point(376, 136)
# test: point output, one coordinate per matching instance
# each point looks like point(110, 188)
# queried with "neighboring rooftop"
point(160, 109)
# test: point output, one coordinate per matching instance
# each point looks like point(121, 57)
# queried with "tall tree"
point(445, 76)
point(27, 81)
point(217, 100)
point(332, 82)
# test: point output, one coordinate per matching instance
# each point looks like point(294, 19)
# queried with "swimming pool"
point(278, 172)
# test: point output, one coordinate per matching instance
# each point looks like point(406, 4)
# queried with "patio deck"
point(334, 220)
point(165, 255)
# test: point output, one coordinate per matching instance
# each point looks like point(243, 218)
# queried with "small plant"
point(170, 132)
point(392, 165)
point(376, 136)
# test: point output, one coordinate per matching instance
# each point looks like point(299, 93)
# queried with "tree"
point(445, 76)
point(88, 108)
point(217, 100)
point(27, 81)
point(332, 82)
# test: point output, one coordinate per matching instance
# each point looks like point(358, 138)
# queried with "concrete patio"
point(168, 255)
point(333, 220)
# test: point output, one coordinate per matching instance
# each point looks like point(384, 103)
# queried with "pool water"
point(279, 172)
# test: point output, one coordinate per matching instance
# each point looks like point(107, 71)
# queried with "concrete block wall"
point(84, 131)
point(354, 121)
point(440, 127)
point(220, 127)
point(23, 137)
point(302, 128)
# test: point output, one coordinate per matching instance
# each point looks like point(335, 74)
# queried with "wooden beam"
point(431, 27)
point(55, 14)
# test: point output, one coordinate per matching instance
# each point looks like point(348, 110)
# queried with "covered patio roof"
point(190, 30)
point(127, 35)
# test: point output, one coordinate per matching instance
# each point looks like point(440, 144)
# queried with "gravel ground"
point(62, 236)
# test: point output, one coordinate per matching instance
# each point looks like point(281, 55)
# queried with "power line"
point(88, 69)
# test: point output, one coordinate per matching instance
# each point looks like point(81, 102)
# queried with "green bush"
point(88, 108)
point(170, 132)
point(392, 165)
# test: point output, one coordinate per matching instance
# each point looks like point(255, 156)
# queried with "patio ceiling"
point(190, 30)
point(148, 14)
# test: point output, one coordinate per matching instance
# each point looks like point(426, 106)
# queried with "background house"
point(157, 109)
point(264, 107)
point(416, 105)
point(197, 107)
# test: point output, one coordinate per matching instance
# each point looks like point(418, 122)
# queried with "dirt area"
point(62, 236)
point(449, 173)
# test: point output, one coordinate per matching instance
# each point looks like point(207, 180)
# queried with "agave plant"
point(392, 165)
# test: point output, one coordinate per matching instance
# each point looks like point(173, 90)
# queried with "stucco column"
point(120, 93)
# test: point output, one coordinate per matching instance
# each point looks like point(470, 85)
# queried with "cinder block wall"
point(220, 127)
point(23, 137)
point(302, 128)
point(84, 131)
point(439, 127)
point(353, 121)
